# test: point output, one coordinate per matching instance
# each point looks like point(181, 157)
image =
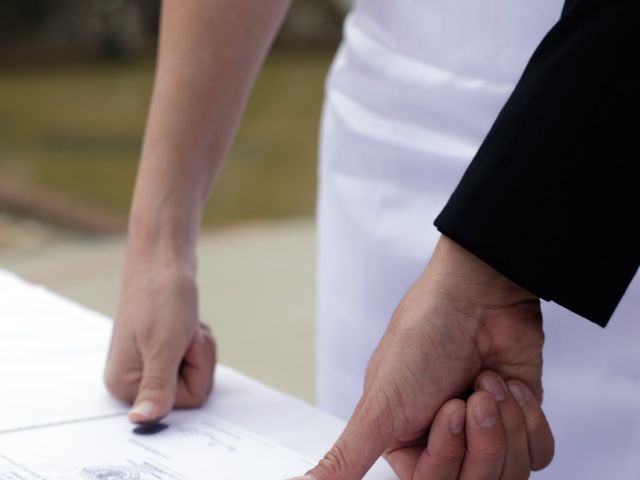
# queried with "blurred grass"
point(78, 129)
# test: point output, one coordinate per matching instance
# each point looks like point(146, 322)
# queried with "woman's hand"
point(210, 52)
point(161, 356)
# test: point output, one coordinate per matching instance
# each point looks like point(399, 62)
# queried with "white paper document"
point(57, 422)
point(52, 355)
point(187, 446)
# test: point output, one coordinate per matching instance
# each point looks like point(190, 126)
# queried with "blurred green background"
point(75, 84)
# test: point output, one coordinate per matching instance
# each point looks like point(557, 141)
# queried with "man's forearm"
point(209, 55)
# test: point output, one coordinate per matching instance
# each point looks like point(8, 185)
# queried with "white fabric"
point(414, 89)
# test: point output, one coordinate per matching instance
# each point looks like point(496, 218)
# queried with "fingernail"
point(456, 421)
point(518, 393)
point(486, 413)
point(143, 409)
point(494, 386)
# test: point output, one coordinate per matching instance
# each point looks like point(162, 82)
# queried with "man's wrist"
point(469, 279)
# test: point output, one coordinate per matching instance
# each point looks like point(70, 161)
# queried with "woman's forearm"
point(209, 55)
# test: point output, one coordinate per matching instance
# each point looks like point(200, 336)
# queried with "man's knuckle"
point(513, 425)
point(537, 425)
point(492, 453)
point(333, 462)
point(447, 456)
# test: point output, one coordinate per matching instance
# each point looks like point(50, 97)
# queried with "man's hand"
point(459, 318)
point(161, 356)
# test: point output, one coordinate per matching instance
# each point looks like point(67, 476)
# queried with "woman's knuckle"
point(117, 387)
point(154, 383)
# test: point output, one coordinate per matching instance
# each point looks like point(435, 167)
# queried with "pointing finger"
point(362, 442)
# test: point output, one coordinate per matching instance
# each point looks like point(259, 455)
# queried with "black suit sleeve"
point(552, 198)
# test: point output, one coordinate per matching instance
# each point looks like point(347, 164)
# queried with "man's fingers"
point(517, 462)
point(362, 442)
point(486, 446)
point(404, 459)
point(540, 439)
point(157, 393)
point(442, 459)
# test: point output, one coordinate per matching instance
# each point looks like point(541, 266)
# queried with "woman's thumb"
point(157, 392)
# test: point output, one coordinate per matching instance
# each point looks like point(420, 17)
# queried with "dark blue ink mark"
point(150, 429)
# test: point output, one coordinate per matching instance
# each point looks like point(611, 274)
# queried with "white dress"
point(414, 89)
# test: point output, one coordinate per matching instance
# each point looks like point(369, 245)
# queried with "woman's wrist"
point(156, 244)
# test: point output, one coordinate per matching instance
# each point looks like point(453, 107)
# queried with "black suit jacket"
point(552, 198)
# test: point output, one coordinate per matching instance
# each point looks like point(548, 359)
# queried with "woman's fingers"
point(540, 439)
point(445, 451)
point(195, 376)
point(486, 445)
point(517, 463)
